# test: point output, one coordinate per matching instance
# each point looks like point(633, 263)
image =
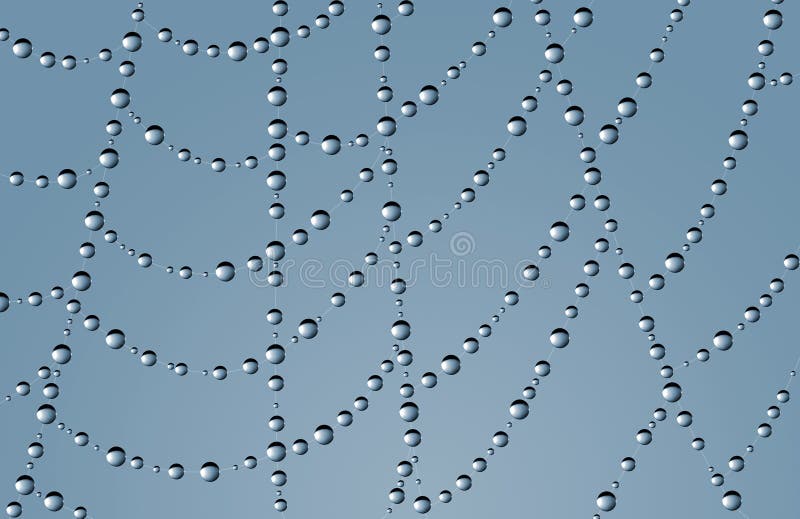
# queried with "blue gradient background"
point(603, 387)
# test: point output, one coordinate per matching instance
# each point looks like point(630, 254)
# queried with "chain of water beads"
point(542, 368)
point(308, 328)
point(154, 135)
point(25, 485)
point(66, 179)
point(23, 387)
point(321, 219)
point(176, 469)
point(254, 264)
point(116, 456)
point(675, 262)
point(731, 500)
point(519, 409)
point(451, 364)
point(120, 98)
point(237, 51)
point(724, 341)
point(81, 280)
point(609, 133)
point(116, 339)
point(46, 414)
point(34, 299)
point(226, 270)
point(330, 145)
point(516, 126)
point(672, 392)
point(275, 253)
point(23, 48)
point(737, 140)
point(391, 211)
point(400, 328)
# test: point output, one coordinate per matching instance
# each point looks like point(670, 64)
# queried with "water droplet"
point(517, 126)
point(519, 409)
point(627, 107)
point(237, 51)
point(554, 53)
point(422, 505)
point(606, 501)
point(732, 500)
point(331, 145)
point(22, 48)
point(209, 471)
point(502, 17)
point(54, 501)
point(583, 17)
point(225, 271)
point(574, 115)
point(308, 329)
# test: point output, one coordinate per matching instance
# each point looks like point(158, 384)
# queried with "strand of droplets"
point(279, 38)
point(23, 48)
point(67, 178)
point(275, 353)
point(320, 219)
point(274, 450)
point(732, 499)
point(54, 499)
point(95, 220)
point(391, 212)
point(675, 263)
point(451, 364)
point(519, 409)
point(236, 51)
point(386, 126)
point(154, 135)
point(46, 414)
point(115, 339)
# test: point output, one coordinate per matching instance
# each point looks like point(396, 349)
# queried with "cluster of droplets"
point(33, 299)
point(723, 339)
point(675, 263)
point(451, 364)
point(391, 211)
point(520, 408)
point(65, 179)
point(81, 281)
point(732, 499)
point(237, 51)
point(23, 48)
point(672, 392)
point(46, 414)
point(737, 141)
point(516, 126)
